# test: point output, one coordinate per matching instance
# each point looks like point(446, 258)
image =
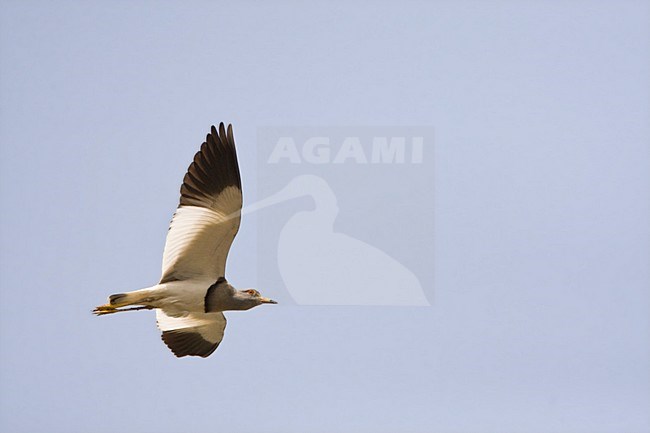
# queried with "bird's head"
point(252, 298)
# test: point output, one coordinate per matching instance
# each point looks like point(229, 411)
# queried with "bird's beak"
point(268, 301)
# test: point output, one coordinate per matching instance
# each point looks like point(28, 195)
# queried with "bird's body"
point(193, 292)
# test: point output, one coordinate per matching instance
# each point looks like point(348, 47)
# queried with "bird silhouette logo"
point(320, 266)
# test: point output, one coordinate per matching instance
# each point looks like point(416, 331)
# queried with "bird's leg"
point(109, 309)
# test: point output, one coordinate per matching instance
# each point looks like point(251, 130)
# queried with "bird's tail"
point(118, 300)
point(137, 297)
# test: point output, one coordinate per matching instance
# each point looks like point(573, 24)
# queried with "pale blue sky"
point(540, 307)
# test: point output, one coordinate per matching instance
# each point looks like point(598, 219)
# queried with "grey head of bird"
point(249, 298)
point(222, 296)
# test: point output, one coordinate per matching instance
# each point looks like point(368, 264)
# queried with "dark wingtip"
point(213, 168)
point(184, 343)
point(231, 139)
point(221, 132)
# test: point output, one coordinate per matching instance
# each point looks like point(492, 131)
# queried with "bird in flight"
point(193, 292)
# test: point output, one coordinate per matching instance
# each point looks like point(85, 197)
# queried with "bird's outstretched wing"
point(196, 334)
point(207, 219)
